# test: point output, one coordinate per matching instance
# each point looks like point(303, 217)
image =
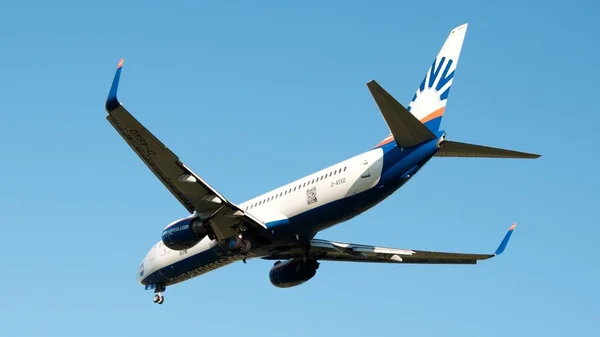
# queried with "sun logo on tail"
point(437, 79)
point(430, 99)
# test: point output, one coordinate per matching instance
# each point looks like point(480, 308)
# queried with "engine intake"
point(185, 233)
point(292, 273)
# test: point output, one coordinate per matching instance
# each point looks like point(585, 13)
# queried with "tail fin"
point(456, 149)
point(429, 101)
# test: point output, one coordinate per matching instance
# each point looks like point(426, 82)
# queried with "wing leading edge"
point(336, 251)
point(195, 194)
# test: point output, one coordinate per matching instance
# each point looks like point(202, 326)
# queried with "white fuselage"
point(336, 182)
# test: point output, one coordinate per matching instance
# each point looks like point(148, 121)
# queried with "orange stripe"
point(387, 140)
point(437, 113)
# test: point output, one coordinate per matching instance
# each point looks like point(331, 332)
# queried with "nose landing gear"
point(158, 297)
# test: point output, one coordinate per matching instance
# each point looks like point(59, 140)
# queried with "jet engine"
point(185, 233)
point(293, 272)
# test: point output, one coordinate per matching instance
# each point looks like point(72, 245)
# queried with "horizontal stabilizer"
point(456, 149)
point(405, 127)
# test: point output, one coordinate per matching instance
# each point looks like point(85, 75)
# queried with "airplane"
point(281, 224)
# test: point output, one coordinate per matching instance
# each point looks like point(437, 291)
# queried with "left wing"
point(196, 195)
point(337, 251)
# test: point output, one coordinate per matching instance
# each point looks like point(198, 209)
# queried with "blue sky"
point(252, 95)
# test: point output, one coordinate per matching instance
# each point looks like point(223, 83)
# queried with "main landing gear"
point(158, 297)
point(305, 252)
point(239, 244)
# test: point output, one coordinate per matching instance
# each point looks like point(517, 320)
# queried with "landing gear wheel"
point(245, 247)
point(235, 243)
point(158, 298)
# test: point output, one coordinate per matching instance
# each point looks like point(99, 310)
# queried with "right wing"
point(337, 251)
point(196, 195)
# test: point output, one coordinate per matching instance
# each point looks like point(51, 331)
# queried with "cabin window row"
point(290, 190)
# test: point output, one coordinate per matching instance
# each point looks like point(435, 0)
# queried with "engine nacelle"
point(185, 233)
point(292, 273)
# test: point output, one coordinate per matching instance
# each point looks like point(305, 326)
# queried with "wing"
point(196, 195)
point(337, 251)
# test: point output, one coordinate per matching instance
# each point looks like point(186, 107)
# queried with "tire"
point(245, 247)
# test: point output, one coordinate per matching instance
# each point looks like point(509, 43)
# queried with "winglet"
point(112, 102)
point(505, 240)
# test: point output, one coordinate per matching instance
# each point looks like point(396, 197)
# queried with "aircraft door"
point(365, 169)
point(369, 166)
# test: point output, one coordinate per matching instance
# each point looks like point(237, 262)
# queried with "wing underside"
point(196, 195)
point(337, 251)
